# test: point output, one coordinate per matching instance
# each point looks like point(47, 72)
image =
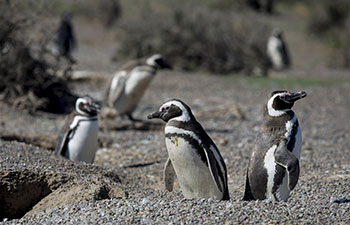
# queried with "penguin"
point(273, 170)
point(193, 156)
point(77, 140)
point(65, 41)
point(265, 6)
point(129, 84)
point(277, 51)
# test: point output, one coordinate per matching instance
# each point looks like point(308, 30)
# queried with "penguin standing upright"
point(193, 156)
point(129, 84)
point(277, 51)
point(273, 169)
point(66, 41)
point(77, 140)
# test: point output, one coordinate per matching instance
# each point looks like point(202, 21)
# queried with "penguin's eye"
point(167, 108)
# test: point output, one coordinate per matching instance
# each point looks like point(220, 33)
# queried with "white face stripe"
point(185, 114)
point(273, 112)
point(270, 165)
point(151, 60)
point(81, 100)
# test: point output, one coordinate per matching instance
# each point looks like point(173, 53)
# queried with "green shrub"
point(28, 80)
point(195, 38)
point(330, 21)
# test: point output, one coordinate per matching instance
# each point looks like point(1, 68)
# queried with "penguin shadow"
point(141, 165)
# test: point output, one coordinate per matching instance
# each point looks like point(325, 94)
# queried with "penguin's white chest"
point(135, 87)
point(83, 141)
point(273, 46)
point(138, 81)
point(192, 173)
point(270, 166)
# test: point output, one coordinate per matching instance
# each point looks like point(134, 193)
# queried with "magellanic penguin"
point(277, 51)
point(129, 84)
point(66, 41)
point(273, 169)
point(193, 156)
point(77, 140)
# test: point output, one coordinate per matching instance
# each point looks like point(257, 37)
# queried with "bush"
point(26, 81)
point(330, 21)
point(195, 38)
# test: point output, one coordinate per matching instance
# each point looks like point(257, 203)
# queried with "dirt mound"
point(34, 180)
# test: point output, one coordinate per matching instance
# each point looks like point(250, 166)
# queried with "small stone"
point(145, 201)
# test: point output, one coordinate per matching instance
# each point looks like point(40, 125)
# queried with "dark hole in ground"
point(102, 193)
point(20, 191)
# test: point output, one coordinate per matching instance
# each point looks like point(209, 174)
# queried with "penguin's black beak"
point(94, 107)
point(292, 97)
point(155, 115)
point(164, 64)
point(167, 66)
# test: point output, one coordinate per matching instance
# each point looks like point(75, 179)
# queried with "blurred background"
point(219, 37)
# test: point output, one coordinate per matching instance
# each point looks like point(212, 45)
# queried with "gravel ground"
point(124, 185)
point(137, 157)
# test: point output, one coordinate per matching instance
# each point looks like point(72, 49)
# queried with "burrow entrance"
point(20, 191)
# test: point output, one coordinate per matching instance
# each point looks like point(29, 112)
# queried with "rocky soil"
point(124, 185)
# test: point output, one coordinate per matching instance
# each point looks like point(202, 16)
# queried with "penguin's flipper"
point(169, 175)
point(63, 137)
point(218, 176)
point(61, 145)
point(286, 159)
